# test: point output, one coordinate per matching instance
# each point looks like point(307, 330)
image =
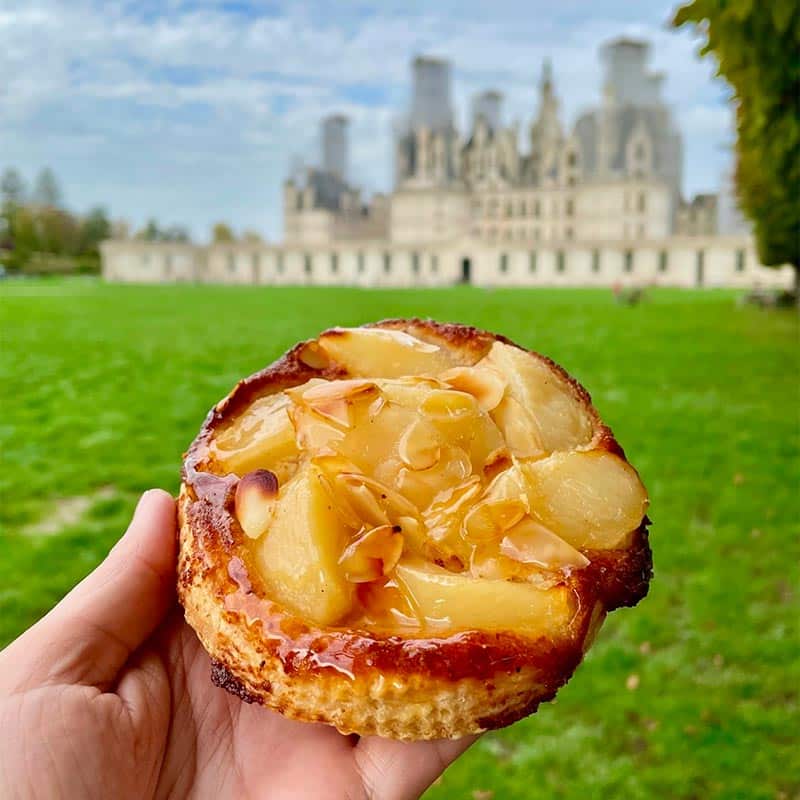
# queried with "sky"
point(192, 111)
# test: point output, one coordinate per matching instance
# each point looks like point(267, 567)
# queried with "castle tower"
point(334, 145)
point(431, 104)
point(546, 134)
point(488, 105)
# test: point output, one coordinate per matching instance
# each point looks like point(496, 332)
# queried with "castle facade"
point(595, 204)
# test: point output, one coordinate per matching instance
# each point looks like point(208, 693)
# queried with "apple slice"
point(263, 437)
point(531, 543)
point(382, 353)
point(372, 554)
point(590, 499)
point(562, 422)
point(453, 601)
point(484, 383)
point(298, 557)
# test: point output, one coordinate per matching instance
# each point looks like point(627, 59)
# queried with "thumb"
point(91, 633)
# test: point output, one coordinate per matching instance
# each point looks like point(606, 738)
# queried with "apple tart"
point(409, 529)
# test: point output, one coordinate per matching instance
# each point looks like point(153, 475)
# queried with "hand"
point(109, 696)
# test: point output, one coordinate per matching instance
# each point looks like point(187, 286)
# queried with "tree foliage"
point(222, 232)
point(757, 47)
point(38, 232)
point(12, 188)
point(46, 191)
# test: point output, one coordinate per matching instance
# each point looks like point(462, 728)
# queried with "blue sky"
point(192, 111)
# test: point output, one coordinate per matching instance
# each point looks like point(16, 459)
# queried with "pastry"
point(409, 529)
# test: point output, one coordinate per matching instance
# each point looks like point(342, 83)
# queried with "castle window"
point(415, 263)
point(504, 263)
point(307, 263)
point(387, 263)
point(663, 261)
point(280, 263)
point(537, 209)
point(522, 208)
point(568, 233)
point(256, 263)
point(639, 151)
point(360, 259)
point(145, 258)
point(572, 159)
point(509, 209)
point(569, 208)
point(628, 261)
point(168, 265)
point(532, 261)
point(595, 261)
point(571, 180)
point(508, 234)
point(334, 262)
point(740, 261)
point(642, 202)
point(561, 264)
point(231, 262)
point(434, 263)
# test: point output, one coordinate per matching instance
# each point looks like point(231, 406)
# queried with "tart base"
point(371, 701)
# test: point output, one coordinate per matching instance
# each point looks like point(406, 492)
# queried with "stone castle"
point(597, 204)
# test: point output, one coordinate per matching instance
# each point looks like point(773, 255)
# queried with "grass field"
point(691, 695)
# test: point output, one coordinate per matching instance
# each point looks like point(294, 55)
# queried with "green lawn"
point(691, 695)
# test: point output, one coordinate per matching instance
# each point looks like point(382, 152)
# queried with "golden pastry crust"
point(362, 682)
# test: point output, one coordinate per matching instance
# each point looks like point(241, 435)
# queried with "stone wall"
point(675, 261)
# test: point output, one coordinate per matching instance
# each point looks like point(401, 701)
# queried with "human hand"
point(109, 696)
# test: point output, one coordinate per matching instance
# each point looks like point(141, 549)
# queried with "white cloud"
point(192, 114)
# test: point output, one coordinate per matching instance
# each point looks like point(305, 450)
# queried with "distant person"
point(109, 696)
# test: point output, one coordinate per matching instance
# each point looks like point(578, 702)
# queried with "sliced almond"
point(485, 384)
point(532, 543)
point(333, 399)
point(490, 519)
point(419, 446)
point(422, 487)
point(314, 433)
point(352, 491)
point(444, 518)
point(255, 502)
point(448, 404)
point(497, 461)
point(373, 554)
point(338, 390)
point(392, 504)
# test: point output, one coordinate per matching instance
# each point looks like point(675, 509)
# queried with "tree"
point(151, 232)
point(46, 191)
point(757, 47)
point(221, 232)
point(12, 188)
point(95, 227)
point(252, 237)
point(175, 233)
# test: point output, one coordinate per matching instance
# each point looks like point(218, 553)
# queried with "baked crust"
point(362, 682)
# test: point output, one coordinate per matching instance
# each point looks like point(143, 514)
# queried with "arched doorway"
point(466, 271)
point(700, 269)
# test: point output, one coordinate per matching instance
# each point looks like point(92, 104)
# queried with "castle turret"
point(546, 133)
